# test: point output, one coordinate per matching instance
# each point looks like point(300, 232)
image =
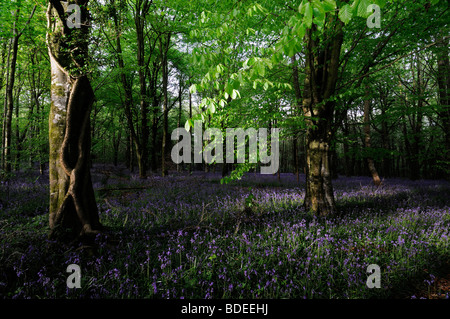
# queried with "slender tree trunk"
point(407, 148)
point(367, 143)
point(295, 151)
point(136, 140)
point(116, 145)
point(142, 8)
point(34, 101)
point(417, 128)
point(9, 102)
point(5, 53)
point(155, 121)
point(297, 107)
point(73, 209)
point(164, 47)
point(127, 150)
point(180, 92)
point(20, 137)
point(443, 79)
point(346, 132)
point(9, 99)
point(386, 162)
point(191, 165)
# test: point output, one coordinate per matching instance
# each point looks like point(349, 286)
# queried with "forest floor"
point(189, 236)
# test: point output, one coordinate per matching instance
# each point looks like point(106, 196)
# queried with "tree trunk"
point(116, 146)
point(9, 99)
point(321, 68)
point(20, 137)
point(9, 103)
point(142, 8)
point(297, 106)
point(164, 49)
point(139, 141)
point(73, 209)
point(155, 121)
point(346, 132)
point(295, 151)
point(180, 92)
point(417, 129)
point(386, 162)
point(443, 79)
point(191, 165)
point(370, 161)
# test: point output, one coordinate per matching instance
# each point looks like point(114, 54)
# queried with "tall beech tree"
point(321, 68)
point(73, 209)
point(339, 50)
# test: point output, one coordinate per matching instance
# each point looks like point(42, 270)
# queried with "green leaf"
point(301, 7)
point(203, 17)
point(193, 88)
point(228, 87)
point(188, 124)
point(308, 17)
point(261, 69)
point(300, 30)
point(362, 8)
point(319, 16)
point(235, 94)
point(277, 57)
point(249, 62)
point(329, 5)
point(236, 84)
point(382, 3)
point(317, 5)
point(212, 107)
point(354, 6)
point(291, 49)
point(345, 13)
point(260, 8)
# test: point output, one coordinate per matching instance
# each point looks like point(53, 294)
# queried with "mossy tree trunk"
point(321, 70)
point(73, 209)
